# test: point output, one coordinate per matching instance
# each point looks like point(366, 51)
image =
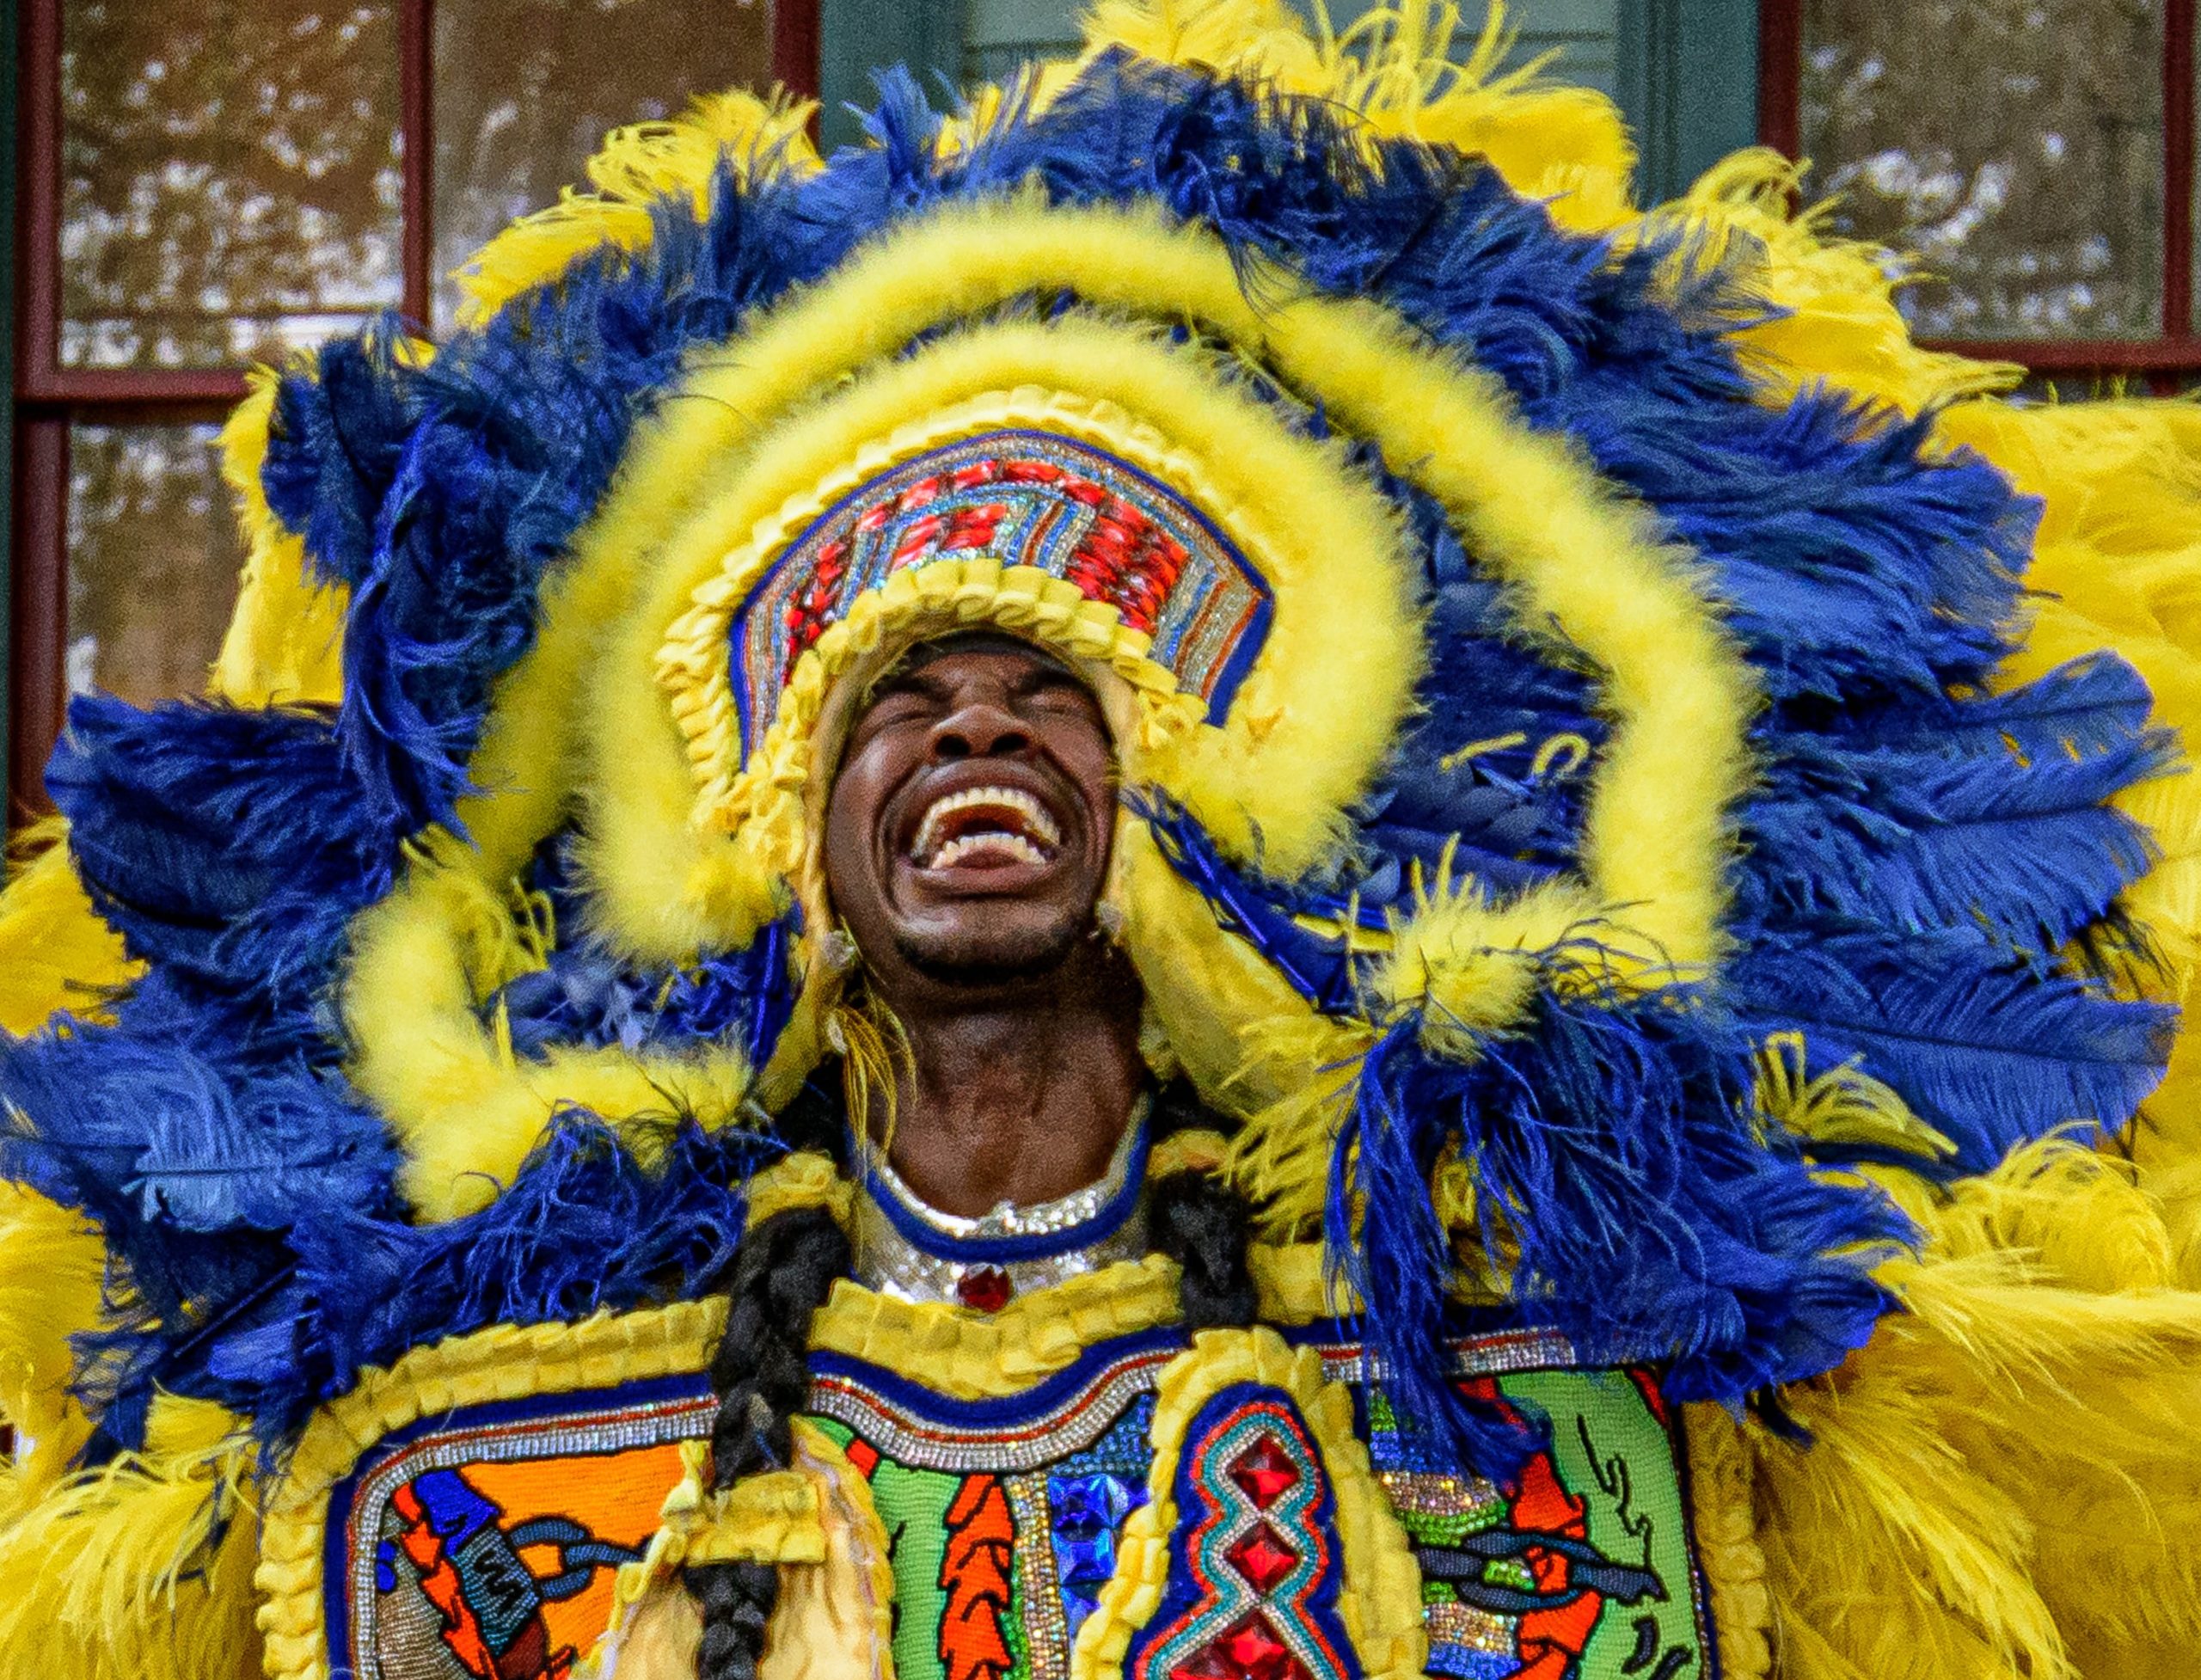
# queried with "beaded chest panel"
point(480, 1543)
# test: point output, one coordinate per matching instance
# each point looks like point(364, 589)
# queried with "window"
point(203, 184)
point(2037, 155)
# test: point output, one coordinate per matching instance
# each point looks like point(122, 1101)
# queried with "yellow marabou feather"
point(2008, 1468)
point(52, 1267)
point(141, 1570)
point(285, 638)
point(56, 952)
point(468, 1109)
point(749, 137)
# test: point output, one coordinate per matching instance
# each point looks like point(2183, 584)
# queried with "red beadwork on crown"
point(1265, 1471)
point(1125, 559)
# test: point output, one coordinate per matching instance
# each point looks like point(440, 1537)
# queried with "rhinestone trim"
point(889, 1259)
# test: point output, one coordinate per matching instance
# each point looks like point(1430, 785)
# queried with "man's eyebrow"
point(1044, 674)
point(916, 682)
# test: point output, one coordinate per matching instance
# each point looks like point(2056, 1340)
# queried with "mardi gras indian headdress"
point(1626, 798)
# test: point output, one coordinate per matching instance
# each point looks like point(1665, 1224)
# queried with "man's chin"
point(987, 960)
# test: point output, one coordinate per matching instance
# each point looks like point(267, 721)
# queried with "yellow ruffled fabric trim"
point(834, 1618)
point(773, 1518)
point(1380, 1601)
point(1196, 1151)
point(804, 1178)
point(763, 802)
point(693, 664)
point(977, 1356)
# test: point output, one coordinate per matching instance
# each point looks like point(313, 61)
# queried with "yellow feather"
point(751, 138)
point(1839, 319)
point(141, 1570)
point(55, 952)
point(1844, 1105)
point(53, 1264)
point(2008, 1466)
point(1395, 69)
point(285, 640)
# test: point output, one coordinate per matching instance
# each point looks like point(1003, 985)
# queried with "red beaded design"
point(1025, 499)
point(1253, 1580)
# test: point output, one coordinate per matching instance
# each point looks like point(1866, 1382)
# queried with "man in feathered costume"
point(1197, 878)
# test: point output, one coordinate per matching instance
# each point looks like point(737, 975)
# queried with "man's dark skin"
point(975, 921)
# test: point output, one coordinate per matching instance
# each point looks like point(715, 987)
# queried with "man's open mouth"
point(989, 828)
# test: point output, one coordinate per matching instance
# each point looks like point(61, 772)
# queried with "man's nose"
point(979, 729)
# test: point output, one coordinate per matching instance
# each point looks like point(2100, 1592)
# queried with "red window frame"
point(2164, 362)
point(49, 397)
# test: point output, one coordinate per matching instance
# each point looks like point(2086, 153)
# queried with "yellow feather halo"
point(621, 708)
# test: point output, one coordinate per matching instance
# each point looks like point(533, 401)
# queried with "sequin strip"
point(568, 1436)
point(1046, 1628)
point(1081, 1420)
point(924, 1443)
point(1484, 1356)
point(1027, 498)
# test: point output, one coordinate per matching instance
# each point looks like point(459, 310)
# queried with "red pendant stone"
point(1264, 1472)
point(984, 1288)
point(1262, 1557)
point(1250, 1651)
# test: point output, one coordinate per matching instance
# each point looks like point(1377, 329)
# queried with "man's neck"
point(1021, 1099)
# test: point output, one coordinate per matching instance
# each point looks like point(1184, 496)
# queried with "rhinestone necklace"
point(906, 1249)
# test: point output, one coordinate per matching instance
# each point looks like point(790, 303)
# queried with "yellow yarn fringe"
point(142, 1569)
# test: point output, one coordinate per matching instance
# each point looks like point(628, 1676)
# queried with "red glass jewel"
point(1264, 1471)
point(1262, 1557)
point(984, 1288)
point(1250, 1651)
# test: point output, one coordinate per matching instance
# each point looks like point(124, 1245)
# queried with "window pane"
point(231, 177)
point(2014, 146)
point(153, 559)
point(524, 90)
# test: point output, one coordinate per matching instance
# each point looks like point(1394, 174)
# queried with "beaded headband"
point(1053, 537)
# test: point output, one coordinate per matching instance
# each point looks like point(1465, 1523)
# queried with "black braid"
point(782, 1271)
point(1202, 1223)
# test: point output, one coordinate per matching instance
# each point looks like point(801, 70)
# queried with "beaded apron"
point(480, 1543)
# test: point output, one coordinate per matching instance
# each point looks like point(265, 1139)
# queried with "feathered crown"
point(1583, 779)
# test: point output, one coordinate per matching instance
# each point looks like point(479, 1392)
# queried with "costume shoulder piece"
point(1657, 806)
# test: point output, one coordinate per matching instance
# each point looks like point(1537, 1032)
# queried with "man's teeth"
point(1030, 817)
point(1014, 844)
